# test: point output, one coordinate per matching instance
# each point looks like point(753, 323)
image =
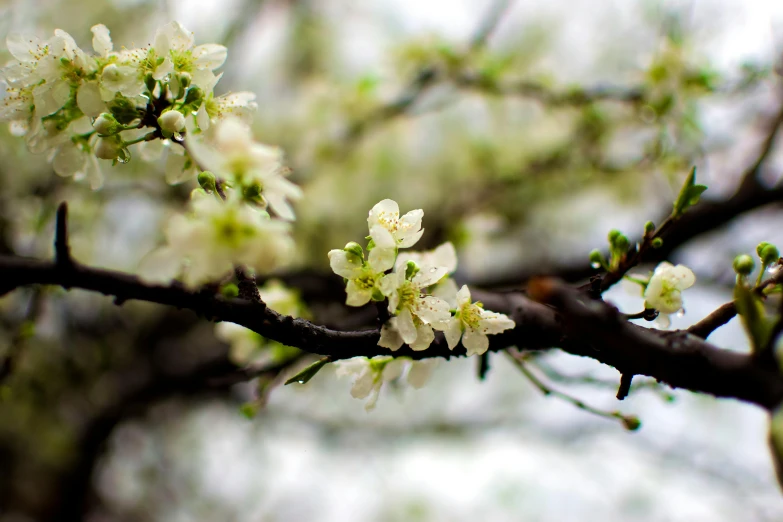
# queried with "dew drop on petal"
point(178, 137)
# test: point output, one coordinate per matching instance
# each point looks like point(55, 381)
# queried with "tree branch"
point(593, 329)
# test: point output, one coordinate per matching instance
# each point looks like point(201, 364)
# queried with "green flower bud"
point(649, 227)
point(355, 249)
point(411, 269)
point(207, 181)
point(769, 254)
point(657, 242)
point(760, 248)
point(622, 243)
point(744, 264)
point(613, 235)
point(597, 259)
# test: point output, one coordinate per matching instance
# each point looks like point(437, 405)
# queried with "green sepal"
point(754, 318)
point(309, 372)
point(689, 194)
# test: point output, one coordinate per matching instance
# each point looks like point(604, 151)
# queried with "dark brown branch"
point(594, 329)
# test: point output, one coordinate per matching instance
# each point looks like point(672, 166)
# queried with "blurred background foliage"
point(525, 130)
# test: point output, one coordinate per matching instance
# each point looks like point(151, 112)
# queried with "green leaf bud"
point(744, 264)
point(649, 227)
point(229, 290)
point(657, 242)
point(622, 243)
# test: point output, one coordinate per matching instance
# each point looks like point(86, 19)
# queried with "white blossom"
point(213, 237)
point(369, 375)
point(664, 290)
point(415, 311)
point(363, 276)
point(388, 229)
point(472, 324)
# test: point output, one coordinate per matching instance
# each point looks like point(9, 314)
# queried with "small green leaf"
point(689, 194)
point(309, 372)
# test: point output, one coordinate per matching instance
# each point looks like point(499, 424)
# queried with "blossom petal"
point(432, 310)
point(406, 327)
point(420, 372)
point(475, 342)
point(453, 332)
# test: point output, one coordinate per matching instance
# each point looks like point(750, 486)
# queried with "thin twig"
point(547, 390)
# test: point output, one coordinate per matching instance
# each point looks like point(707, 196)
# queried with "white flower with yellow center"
point(415, 312)
point(175, 44)
point(664, 290)
point(388, 229)
point(240, 105)
point(363, 276)
point(214, 237)
point(473, 324)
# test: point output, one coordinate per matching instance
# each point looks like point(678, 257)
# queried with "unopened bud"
point(207, 181)
point(105, 124)
point(354, 249)
point(744, 264)
point(171, 122)
point(769, 254)
point(108, 148)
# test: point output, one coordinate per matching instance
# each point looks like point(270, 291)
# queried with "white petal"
point(101, 41)
point(381, 259)
point(69, 160)
point(387, 207)
point(390, 337)
point(392, 370)
point(406, 327)
point(88, 98)
point(209, 56)
point(364, 385)
point(493, 323)
point(410, 240)
point(475, 342)
point(420, 372)
point(349, 267)
point(429, 275)
point(432, 310)
point(357, 296)
point(424, 338)
point(446, 289)
point(382, 237)
point(445, 255)
point(453, 332)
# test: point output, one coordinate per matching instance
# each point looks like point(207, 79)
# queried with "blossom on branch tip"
point(388, 229)
point(473, 324)
point(369, 375)
point(664, 290)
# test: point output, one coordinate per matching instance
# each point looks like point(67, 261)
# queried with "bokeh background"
point(525, 130)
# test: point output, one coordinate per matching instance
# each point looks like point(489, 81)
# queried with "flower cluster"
point(421, 296)
point(84, 107)
point(370, 374)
